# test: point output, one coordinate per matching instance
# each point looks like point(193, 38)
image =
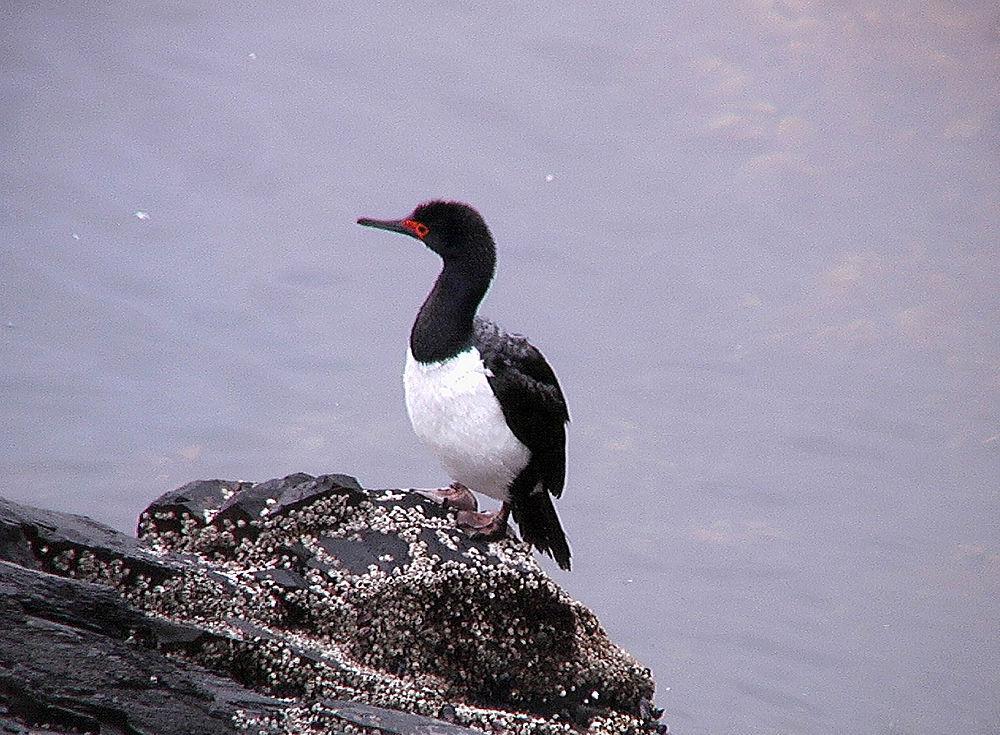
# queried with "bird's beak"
point(393, 225)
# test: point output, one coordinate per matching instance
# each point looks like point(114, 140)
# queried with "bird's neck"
point(444, 325)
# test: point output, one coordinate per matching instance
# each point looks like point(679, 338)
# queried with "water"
point(758, 244)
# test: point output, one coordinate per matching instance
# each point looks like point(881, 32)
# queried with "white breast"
point(454, 412)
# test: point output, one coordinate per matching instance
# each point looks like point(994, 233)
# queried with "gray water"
point(758, 241)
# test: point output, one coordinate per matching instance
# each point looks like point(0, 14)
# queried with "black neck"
point(444, 324)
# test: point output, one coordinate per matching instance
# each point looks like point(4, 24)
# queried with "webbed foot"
point(454, 497)
point(485, 525)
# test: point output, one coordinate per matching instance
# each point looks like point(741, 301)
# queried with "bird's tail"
point(539, 525)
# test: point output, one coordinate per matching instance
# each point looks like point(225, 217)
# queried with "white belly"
point(454, 412)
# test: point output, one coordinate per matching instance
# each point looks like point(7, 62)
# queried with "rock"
point(391, 723)
point(334, 606)
point(74, 655)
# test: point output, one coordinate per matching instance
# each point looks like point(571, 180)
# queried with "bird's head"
point(453, 230)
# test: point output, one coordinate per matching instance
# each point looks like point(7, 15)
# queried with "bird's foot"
point(454, 497)
point(484, 525)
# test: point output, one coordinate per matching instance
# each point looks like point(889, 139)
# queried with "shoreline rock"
point(325, 606)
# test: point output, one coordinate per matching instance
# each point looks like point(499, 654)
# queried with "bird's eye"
point(417, 228)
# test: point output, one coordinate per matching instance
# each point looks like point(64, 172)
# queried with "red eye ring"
point(417, 228)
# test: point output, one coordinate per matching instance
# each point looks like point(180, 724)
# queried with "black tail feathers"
point(539, 525)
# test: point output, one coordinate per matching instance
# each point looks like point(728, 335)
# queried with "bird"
point(485, 402)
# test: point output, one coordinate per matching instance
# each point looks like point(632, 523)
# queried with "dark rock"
point(367, 549)
point(244, 509)
point(68, 662)
point(366, 609)
point(42, 539)
point(285, 579)
point(193, 502)
point(251, 504)
point(406, 500)
point(304, 492)
point(24, 530)
point(437, 548)
point(390, 722)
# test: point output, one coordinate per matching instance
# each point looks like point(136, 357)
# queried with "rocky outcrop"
point(302, 604)
point(75, 657)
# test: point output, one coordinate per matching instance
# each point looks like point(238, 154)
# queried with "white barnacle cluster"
point(260, 724)
point(89, 567)
point(447, 538)
point(64, 562)
point(195, 533)
point(397, 520)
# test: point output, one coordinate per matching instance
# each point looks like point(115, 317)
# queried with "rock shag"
point(485, 402)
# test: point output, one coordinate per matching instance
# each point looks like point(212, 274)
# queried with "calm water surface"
point(757, 241)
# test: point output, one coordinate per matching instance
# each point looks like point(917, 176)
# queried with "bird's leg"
point(487, 525)
point(456, 496)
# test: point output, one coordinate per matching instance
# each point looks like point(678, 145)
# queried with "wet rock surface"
point(300, 604)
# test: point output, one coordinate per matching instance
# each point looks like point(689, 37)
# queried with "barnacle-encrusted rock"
point(357, 603)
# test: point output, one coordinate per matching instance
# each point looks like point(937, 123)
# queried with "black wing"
point(530, 397)
point(533, 405)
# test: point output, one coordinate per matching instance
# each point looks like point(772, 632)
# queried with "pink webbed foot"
point(485, 525)
point(456, 496)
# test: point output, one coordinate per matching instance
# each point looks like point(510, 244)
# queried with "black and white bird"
point(485, 402)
